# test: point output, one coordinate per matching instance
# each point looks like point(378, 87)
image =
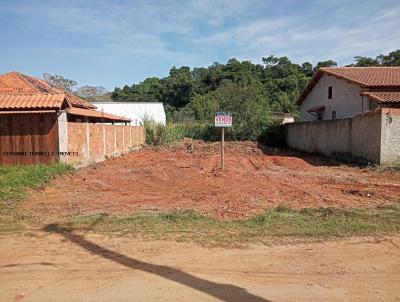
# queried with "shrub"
point(157, 134)
point(274, 136)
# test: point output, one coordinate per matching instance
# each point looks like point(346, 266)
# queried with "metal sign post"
point(223, 120)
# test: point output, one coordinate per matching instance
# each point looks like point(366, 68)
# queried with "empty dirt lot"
point(55, 262)
point(187, 176)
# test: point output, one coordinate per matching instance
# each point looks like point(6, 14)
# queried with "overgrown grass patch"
point(157, 134)
point(15, 179)
point(14, 182)
point(278, 223)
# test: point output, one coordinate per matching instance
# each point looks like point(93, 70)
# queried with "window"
point(330, 92)
point(333, 114)
point(320, 115)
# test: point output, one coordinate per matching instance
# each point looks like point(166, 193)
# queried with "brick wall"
point(93, 142)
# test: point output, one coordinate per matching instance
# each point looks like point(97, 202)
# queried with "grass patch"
point(11, 223)
point(278, 223)
point(15, 179)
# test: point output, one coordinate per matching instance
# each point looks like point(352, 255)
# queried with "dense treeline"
point(250, 91)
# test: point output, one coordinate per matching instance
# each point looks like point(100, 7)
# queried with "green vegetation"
point(15, 179)
point(396, 165)
point(157, 134)
point(250, 91)
point(276, 224)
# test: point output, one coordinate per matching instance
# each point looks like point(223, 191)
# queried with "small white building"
point(137, 112)
point(342, 92)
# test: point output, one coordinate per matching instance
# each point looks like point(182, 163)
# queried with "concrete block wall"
point(369, 136)
point(390, 135)
point(94, 142)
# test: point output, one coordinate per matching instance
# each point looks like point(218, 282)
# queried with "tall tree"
point(392, 59)
point(365, 61)
point(327, 63)
point(91, 92)
point(177, 89)
point(59, 82)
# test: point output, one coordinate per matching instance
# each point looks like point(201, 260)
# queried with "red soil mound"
point(187, 176)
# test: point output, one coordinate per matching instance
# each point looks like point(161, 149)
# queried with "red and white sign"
point(223, 119)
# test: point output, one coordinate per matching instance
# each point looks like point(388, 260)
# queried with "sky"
point(113, 43)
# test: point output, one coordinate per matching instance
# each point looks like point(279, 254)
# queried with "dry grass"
point(276, 224)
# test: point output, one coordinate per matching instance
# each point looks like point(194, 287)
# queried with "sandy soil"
point(188, 176)
point(65, 266)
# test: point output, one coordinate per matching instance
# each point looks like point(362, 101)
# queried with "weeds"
point(157, 134)
point(279, 223)
point(14, 180)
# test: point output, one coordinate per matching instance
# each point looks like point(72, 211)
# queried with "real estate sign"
point(223, 119)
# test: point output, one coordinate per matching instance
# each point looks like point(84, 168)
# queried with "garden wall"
point(95, 142)
point(374, 136)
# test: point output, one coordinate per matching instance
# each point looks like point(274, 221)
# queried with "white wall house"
point(342, 92)
point(136, 111)
point(351, 113)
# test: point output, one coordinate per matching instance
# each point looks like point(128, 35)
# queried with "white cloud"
point(199, 32)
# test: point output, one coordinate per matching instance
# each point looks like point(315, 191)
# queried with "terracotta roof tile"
point(98, 114)
point(25, 101)
point(19, 91)
point(78, 102)
point(384, 96)
point(367, 76)
point(26, 111)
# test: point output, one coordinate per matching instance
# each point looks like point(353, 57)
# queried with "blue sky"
point(112, 43)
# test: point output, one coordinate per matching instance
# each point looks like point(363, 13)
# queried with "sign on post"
point(223, 120)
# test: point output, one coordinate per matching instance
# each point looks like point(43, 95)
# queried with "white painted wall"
point(346, 101)
point(135, 111)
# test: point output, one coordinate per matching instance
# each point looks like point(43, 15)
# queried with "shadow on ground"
point(224, 292)
point(315, 159)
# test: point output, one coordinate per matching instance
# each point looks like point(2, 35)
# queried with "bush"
point(274, 136)
point(248, 104)
point(157, 134)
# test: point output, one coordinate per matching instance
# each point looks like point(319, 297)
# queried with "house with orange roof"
point(40, 123)
point(351, 113)
point(343, 92)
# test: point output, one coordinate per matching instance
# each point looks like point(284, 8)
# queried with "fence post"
point(141, 134)
point(104, 140)
point(87, 138)
point(63, 136)
point(123, 139)
point(115, 140)
point(130, 136)
point(136, 134)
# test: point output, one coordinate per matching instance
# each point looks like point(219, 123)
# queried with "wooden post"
point(222, 147)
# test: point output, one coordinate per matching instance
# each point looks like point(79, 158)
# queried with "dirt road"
point(64, 266)
point(188, 177)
